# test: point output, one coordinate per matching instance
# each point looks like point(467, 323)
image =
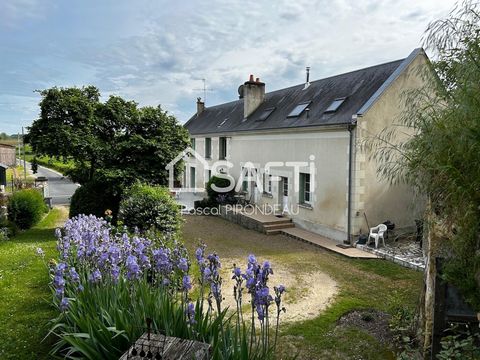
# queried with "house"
point(322, 125)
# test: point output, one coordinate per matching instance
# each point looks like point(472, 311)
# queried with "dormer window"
point(266, 113)
point(299, 109)
point(335, 105)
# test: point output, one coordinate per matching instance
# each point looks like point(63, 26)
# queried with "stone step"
point(279, 221)
point(273, 231)
point(276, 226)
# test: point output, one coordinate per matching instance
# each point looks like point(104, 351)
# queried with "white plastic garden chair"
point(377, 233)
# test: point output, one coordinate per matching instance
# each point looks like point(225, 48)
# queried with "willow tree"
point(441, 157)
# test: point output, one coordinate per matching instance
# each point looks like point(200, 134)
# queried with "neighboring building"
point(327, 118)
point(7, 159)
point(7, 155)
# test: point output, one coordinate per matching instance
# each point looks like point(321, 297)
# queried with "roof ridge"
point(314, 81)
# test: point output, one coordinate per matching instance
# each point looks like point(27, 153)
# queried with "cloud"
point(158, 52)
point(13, 11)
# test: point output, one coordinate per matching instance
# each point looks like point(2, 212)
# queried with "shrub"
point(94, 198)
point(204, 203)
point(214, 196)
point(150, 207)
point(25, 208)
point(460, 344)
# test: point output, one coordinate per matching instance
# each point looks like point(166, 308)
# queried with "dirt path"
point(309, 290)
point(308, 293)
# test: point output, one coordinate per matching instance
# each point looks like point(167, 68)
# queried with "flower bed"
point(107, 282)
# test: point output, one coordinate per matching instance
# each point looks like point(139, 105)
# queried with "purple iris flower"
point(64, 304)
point(73, 275)
point(237, 271)
point(133, 270)
point(183, 264)
point(95, 277)
point(58, 281)
point(190, 312)
point(40, 252)
point(199, 254)
point(186, 283)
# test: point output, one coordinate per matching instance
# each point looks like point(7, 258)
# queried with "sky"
point(158, 52)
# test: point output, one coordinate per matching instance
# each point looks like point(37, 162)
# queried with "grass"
point(362, 284)
point(19, 175)
point(24, 294)
point(25, 298)
point(52, 163)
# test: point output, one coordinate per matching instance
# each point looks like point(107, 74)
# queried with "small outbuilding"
point(7, 159)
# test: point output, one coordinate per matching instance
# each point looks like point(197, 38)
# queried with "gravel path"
point(309, 291)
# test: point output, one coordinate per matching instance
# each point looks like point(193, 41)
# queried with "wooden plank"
point(170, 348)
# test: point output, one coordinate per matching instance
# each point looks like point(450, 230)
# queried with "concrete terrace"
point(271, 224)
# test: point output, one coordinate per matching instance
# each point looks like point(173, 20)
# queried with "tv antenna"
point(204, 89)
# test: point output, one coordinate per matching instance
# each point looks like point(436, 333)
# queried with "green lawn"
point(362, 284)
point(24, 295)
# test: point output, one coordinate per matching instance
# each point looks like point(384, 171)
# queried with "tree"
point(442, 158)
point(114, 142)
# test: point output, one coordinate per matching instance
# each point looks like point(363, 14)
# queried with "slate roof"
point(361, 89)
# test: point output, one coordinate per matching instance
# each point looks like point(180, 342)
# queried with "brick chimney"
point(200, 106)
point(253, 95)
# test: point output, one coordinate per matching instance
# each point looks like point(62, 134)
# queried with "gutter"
point(351, 129)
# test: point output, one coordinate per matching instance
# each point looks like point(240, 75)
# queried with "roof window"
point(299, 109)
point(266, 113)
point(335, 105)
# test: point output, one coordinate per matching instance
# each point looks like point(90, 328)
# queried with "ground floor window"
point(222, 143)
point(285, 186)
point(192, 177)
point(305, 194)
point(208, 175)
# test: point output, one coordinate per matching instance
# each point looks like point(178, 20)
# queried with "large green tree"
point(114, 141)
point(442, 158)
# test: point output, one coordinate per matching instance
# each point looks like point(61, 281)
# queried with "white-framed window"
point(222, 148)
point(208, 148)
point(305, 189)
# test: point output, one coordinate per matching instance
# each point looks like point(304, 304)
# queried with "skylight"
point(223, 122)
point(266, 113)
point(299, 109)
point(335, 105)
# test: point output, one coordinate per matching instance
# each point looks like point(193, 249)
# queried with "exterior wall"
point(327, 215)
point(373, 196)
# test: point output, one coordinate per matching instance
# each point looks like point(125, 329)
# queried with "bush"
point(25, 208)
point(146, 207)
point(204, 203)
point(214, 196)
point(94, 198)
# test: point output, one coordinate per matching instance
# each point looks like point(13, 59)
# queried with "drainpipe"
point(351, 130)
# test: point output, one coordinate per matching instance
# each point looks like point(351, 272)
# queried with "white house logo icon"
point(189, 152)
